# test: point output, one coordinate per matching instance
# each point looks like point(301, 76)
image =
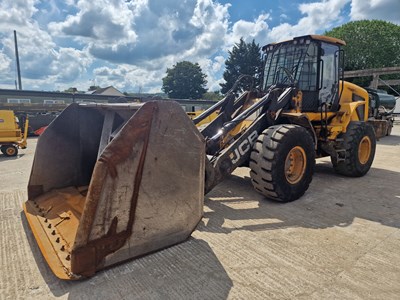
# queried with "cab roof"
point(322, 38)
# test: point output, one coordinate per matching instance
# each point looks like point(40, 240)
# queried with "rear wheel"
point(359, 143)
point(282, 162)
point(9, 150)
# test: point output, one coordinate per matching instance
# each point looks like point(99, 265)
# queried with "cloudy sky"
point(130, 44)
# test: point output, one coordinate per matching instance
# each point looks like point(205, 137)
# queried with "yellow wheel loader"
point(11, 136)
point(113, 182)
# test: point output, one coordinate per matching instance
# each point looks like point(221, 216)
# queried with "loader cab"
point(312, 64)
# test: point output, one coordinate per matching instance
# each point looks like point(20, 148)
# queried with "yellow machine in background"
point(11, 135)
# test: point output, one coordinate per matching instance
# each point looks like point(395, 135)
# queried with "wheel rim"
point(295, 165)
point(364, 150)
point(10, 151)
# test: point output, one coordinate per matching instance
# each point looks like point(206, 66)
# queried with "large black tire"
point(282, 162)
point(359, 143)
point(9, 150)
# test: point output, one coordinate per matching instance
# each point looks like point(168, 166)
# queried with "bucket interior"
point(69, 148)
point(64, 161)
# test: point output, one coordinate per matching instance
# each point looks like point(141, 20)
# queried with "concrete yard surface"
point(341, 240)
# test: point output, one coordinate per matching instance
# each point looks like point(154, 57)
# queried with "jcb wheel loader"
point(302, 111)
point(112, 182)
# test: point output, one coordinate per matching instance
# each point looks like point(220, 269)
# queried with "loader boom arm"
point(230, 146)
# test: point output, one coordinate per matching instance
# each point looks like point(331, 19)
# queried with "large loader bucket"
point(113, 182)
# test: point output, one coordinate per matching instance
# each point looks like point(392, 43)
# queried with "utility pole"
point(17, 58)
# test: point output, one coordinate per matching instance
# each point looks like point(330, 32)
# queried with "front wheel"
point(359, 143)
point(282, 162)
point(9, 150)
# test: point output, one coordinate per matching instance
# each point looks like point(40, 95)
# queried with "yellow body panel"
point(10, 132)
point(354, 94)
point(352, 97)
point(207, 120)
point(9, 129)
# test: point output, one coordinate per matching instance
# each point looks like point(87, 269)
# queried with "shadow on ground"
point(392, 140)
point(5, 157)
point(187, 270)
point(331, 200)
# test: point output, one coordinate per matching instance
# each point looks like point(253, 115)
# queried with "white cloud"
point(283, 17)
point(388, 10)
point(213, 69)
point(103, 21)
point(129, 78)
point(43, 63)
point(218, 63)
point(319, 16)
point(6, 71)
point(16, 13)
point(5, 63)
point(151, 35)
point(72, 62)
point(138, 31)
point(257, 30)
point(130, 44)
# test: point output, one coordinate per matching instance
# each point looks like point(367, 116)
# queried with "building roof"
point(109, 91)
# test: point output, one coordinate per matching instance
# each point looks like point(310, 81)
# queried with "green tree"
point(73, 90)
point(244, 58)
point(93, 88)
point(369, 44)
point(185, 80)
